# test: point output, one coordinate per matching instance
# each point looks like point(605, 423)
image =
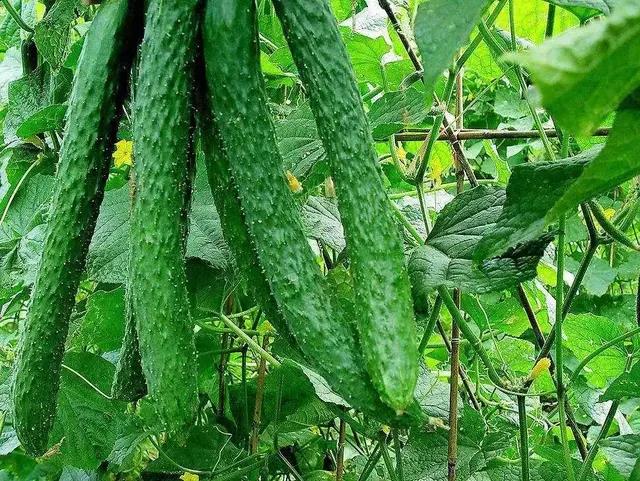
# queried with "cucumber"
point(85, 157)
point(381, 283)
point(271, 218)
point(162, 148)
point(128, 381)
point(234, 228)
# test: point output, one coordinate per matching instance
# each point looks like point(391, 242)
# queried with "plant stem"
point(257, 409)
point(435, 129)
point(471, 337)
point(558, 360)
point(531, 316)
point(16, 16)
point(246, 338)
point(398, 453)
point(387, 461)
point(371, 463)
point(524, 437)
point(613, 232)
point(551, 19)
point(466, 54)
point(431, 324)
point(340, 455)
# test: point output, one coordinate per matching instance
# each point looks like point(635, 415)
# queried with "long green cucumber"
point(162, 140)
point(85, 157)
point(381, 282)
point(271, 216)
point(128, 381)
point(234, 228)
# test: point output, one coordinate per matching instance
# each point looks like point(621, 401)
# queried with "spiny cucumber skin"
point(382, 290)
point(234, 227)
point(128, 381)
point(237, 96)
point(162, 120)
point(92, 121)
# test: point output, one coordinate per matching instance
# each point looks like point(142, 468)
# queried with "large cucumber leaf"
point(586, 73)
point(447, 257)
point(533, 190)
point(440, 33)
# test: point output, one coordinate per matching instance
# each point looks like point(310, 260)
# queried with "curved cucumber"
point(271, 216)
point(128, 381)
point(92, 121)
point(162, 140)
point(381, 282)
point(234, 227)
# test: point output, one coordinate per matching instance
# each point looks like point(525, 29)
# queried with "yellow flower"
point(190, 477)
point(541, 366)
point(609, 213)
point(401, 153)
point(294, 183)
point(123, 154)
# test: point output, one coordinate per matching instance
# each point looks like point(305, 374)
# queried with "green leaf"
point(425, 457)
point(599, 276)
point(396, 110)
point(8, 441)
point(205, 239)
point(584, 334)
point(69, 473)
point(533, 191)
point(27, 96)
point(102, 326)
point(446, 259)
point(439, 34)
point(10, 70)
point(9, 29)
point(108, 258)
point(109, 250)
point(366, 55)
point(298, 141)
point(585, 73)
point(615, 164)
point(321, 220)
point(44, 120)
point(622, 452)
point(206, 448)
point(626, 385)
point(87, 423)
point(585, 9)
point(52, 33)
point(433, 394)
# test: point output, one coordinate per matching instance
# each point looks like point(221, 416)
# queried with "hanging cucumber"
point(381, 283)
point(92, 119)
point(236, 91)
point(234, 228)
point(128, 381)
point(162, 148)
